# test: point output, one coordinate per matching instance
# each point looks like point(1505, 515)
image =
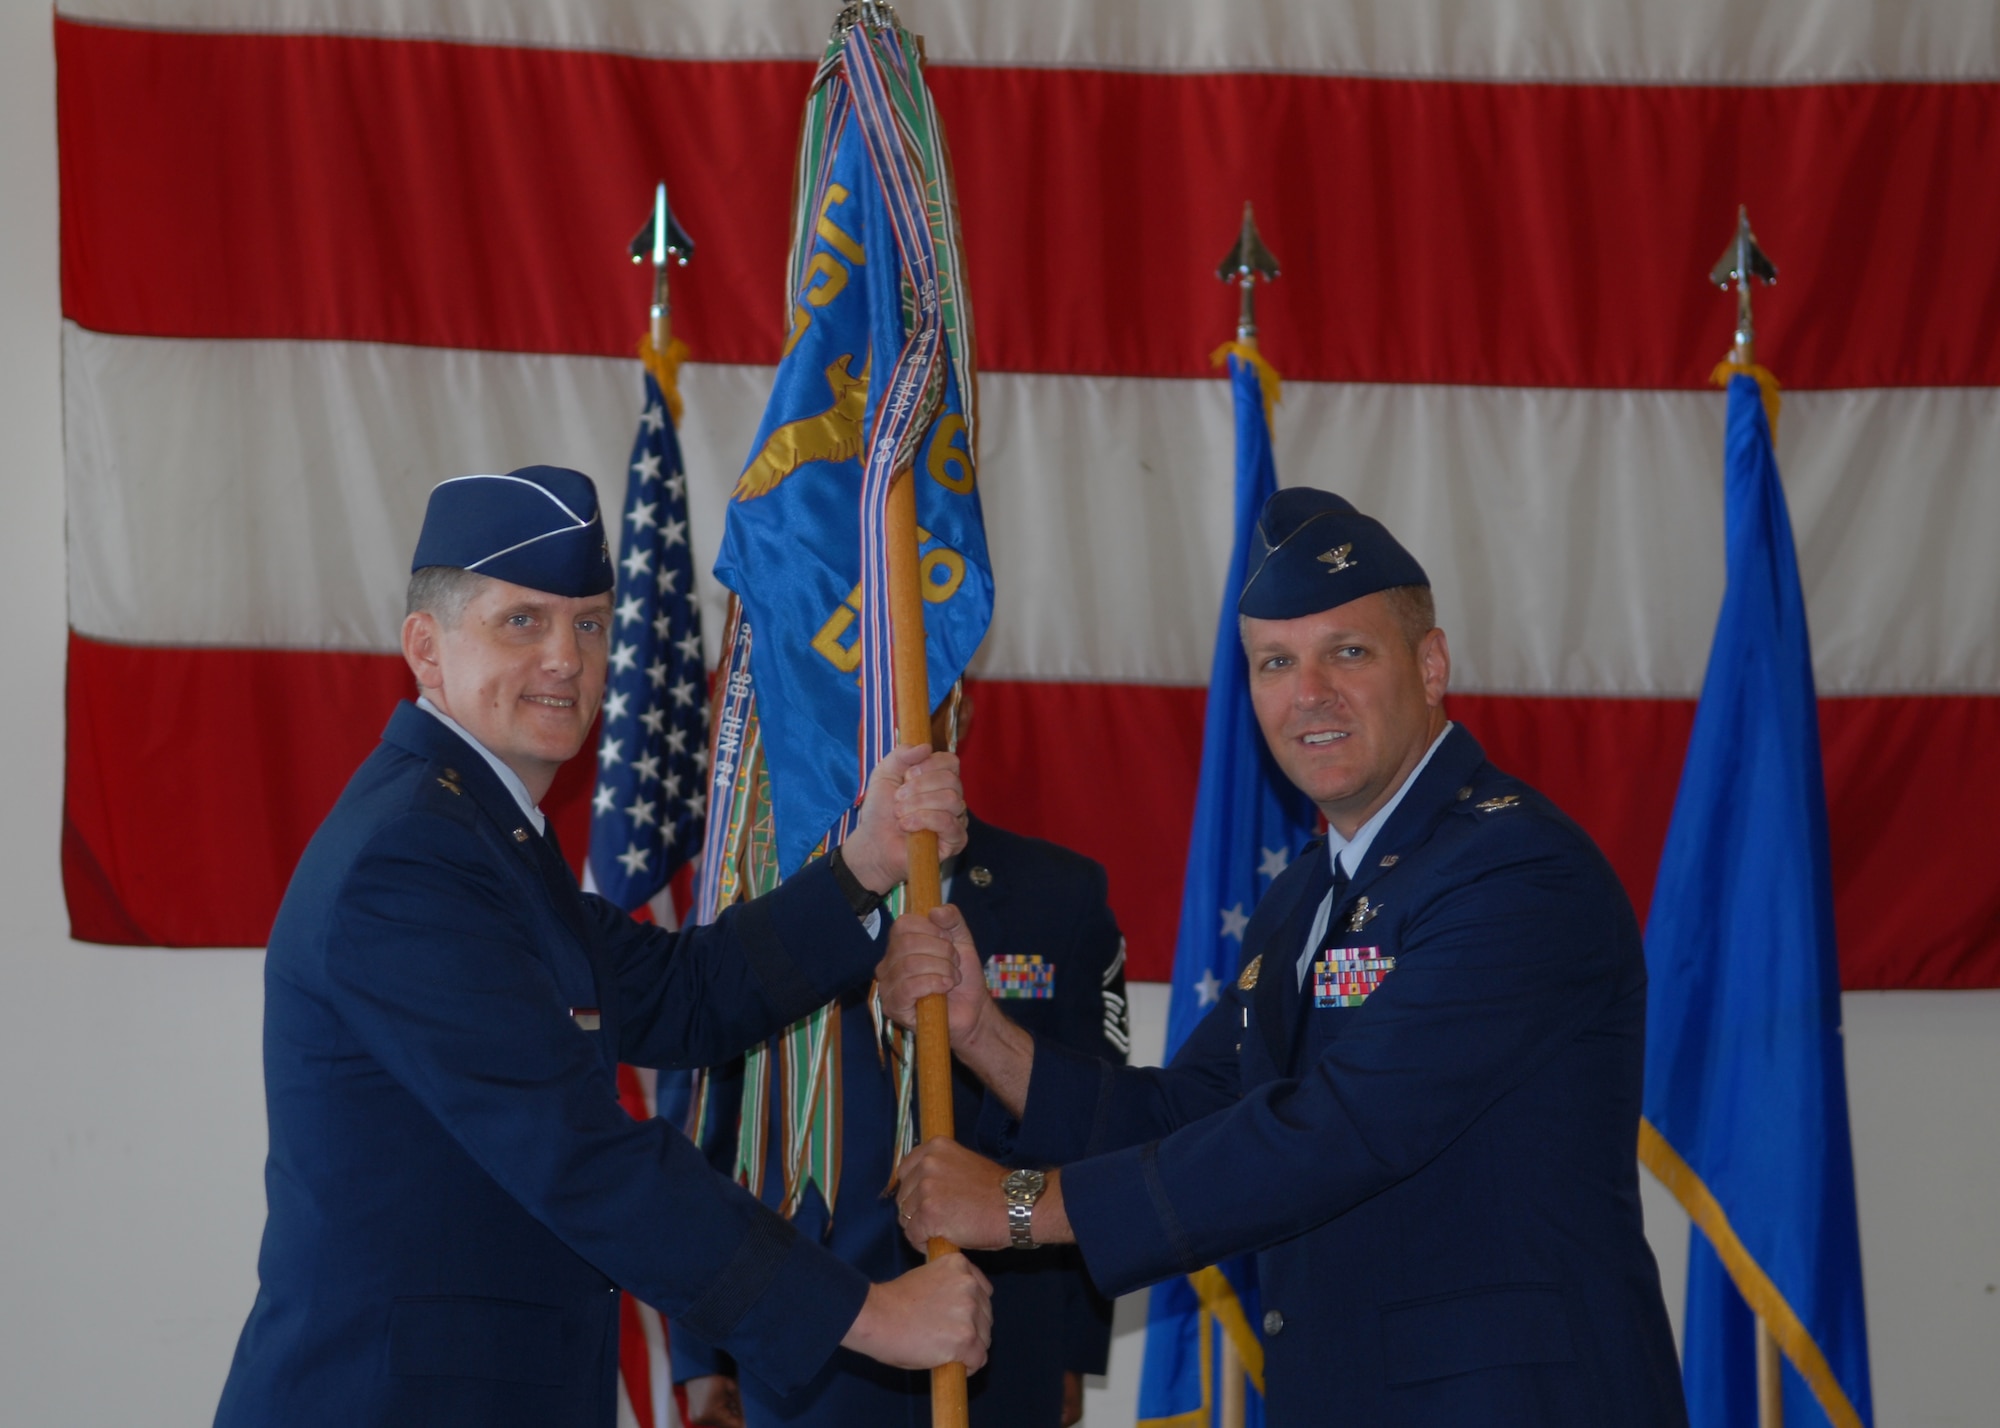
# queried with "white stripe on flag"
point(269, 493)
point(1686, 42)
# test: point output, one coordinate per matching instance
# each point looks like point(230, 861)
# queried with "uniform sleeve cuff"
point(805, 944)
point(791, 1330)
point(1125, 1227)
point(1066, 1093)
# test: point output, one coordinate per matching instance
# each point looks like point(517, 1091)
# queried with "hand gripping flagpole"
point(911, 679)
point(924, 891)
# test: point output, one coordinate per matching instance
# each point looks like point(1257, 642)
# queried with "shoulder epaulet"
point(1488, 797)
point(441, 789)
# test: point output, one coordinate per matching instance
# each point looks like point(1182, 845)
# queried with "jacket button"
point(1274, 1323)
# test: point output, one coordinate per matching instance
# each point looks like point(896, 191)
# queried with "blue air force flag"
point(1746, 1092)
point(792, 540)
point(1249, 822)
point(646, 814)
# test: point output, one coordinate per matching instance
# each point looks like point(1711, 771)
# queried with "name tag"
point(1021, 978)
point(1348, 976)
point(586, 1017)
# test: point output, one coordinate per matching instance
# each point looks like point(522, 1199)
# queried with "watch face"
point(1024, 1184)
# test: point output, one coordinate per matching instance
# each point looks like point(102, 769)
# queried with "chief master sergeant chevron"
point(1420, 1102)
point(454, 1192)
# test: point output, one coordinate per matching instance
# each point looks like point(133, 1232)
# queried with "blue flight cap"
point(539, 526)
point(1313, 551)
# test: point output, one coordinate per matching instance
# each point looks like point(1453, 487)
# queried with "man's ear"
point(1434, 658)
point(421, 636)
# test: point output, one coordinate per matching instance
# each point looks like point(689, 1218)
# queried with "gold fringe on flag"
point(1267, 375)
point(1767, 383)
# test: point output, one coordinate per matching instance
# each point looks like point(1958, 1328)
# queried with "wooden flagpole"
point(1770, 1379)
point(924, 890)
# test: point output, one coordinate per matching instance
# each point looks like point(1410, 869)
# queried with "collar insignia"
point(1337, 558)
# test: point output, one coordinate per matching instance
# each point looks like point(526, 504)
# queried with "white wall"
point(130, 1104)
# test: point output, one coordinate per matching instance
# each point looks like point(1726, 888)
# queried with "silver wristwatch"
point(1023, 1188)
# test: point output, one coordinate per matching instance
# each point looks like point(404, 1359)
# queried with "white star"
point(1271, 861)
point(671, 784)
point(642, 812)
point(666, 580)
point(611, 752)
point(637, 561)
point(690, 646)
point(1233, 922)
point(641, 515)
point(663, 626)
point(674, 533)
point(630, 609)
point(647, 767)
point(1208, 991)
point(677, 739)
point(696, 801)
point(684, 694)
point(634, 858)
point(624, 658)
point(655, 720)
point(657, 672)
point(647, 467)
point(700, 755)
point(677, 486)
point(667, 835)
point(614, 705)
point(606, 800)
point(653, 418)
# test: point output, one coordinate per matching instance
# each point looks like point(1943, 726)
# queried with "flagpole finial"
point(665, 242)
point(870, 14)
point(1243, 265)
point(1740, 262)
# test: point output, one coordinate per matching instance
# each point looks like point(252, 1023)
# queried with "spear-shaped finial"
point(1741, 261)
point(871, 14)
point(1243, 265)
point(662, 240)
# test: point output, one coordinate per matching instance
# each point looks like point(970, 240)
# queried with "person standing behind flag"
point(455, 1193)
point(1055, 957)
point(1418, 1102)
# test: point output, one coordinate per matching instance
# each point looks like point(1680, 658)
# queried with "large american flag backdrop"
point(318, 254)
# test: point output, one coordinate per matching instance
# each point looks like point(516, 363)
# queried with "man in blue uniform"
point(1420, 1101)
point(454, 1193)
point(1053, 955)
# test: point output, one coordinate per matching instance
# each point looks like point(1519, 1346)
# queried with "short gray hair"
point(1414, 610)
point(442, 591)
point(1412, 605)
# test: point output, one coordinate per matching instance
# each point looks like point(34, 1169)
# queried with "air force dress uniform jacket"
point(1023, 898)
point(454, 1192)
point(1434, 1152)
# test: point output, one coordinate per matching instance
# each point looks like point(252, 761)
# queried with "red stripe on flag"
point(195, 778)
point(1514, 234)
point(197, 775)
point(635, 1361)
point(1109, 769)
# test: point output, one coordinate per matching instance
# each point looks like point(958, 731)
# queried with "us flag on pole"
point(646, 812)
point(647, 806)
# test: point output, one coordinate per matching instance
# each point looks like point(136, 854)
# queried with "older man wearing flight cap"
point(1419, 1103)
point(454, 1193)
